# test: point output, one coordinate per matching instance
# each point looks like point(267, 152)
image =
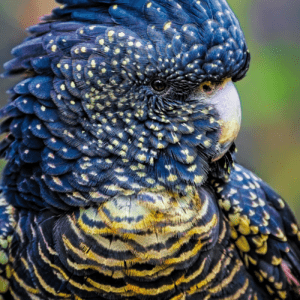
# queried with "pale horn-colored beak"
point(225, 99)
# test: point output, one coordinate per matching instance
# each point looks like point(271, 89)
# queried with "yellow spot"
point(276, 260)
point(244, 227)
point(93, 63)
point(271, 279)
point(294, 228)
point(254, 229)
point(83, 49)
point(122, 178)
point(258, 276)
point(278, 285)
point(141, 157)
point(53, 48)
point(172, 177)
point(280, 235)
point(252, 260)
point(110, 33)
point(149, 4)
point(150, 180)
point(226, 205)
point(141, 174)
point(57, 181)
point(167, 25)
point(117, 51)
point(198, 178)
point(281, 203)
point(234, 233)
point(234, 219)
point(263, 249)
point(192, 168)
point(282, 294)
point(242, 244)
point(78, 67)
point(271, 292)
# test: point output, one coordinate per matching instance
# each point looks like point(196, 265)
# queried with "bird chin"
point(226, 102)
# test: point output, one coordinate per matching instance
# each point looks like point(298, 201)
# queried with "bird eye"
point(208, 87)
point(158, 85)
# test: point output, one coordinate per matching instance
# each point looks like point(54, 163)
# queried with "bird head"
point(157, 87)
point(143, 93)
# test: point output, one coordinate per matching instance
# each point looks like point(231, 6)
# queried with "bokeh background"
point(269, 142)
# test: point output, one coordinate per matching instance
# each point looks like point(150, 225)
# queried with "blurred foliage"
point(269, 142)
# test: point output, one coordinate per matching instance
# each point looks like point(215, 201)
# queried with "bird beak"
point(226, 101)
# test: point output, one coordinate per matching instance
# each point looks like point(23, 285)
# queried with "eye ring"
point(159, 85)
point(208, 87)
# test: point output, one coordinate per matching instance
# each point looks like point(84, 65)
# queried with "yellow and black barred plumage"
point(120, 180)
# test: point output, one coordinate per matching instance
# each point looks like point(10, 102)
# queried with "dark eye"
point(206, 88)
point(158, 85)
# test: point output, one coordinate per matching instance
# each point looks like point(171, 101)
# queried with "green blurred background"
point(269, 142)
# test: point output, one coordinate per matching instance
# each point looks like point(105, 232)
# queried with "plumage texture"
point(118, 183)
